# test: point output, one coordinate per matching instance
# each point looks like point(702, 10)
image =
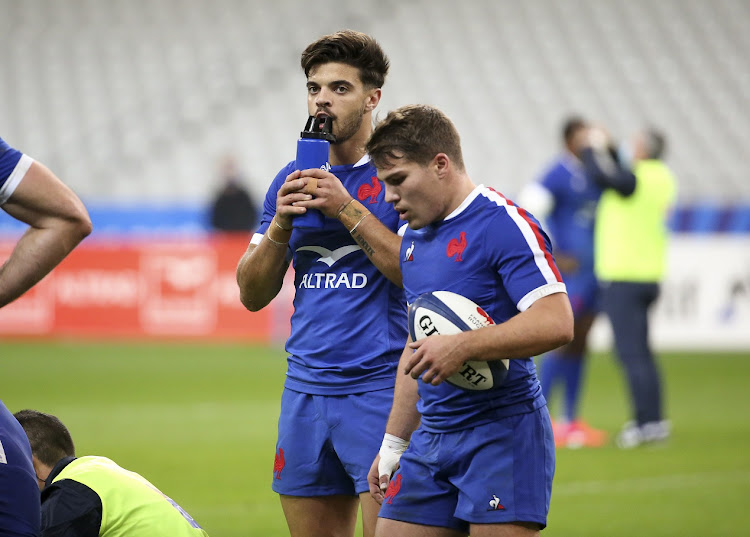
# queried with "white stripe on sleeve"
point(18, 173)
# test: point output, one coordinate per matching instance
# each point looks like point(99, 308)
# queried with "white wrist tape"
point(390, 453)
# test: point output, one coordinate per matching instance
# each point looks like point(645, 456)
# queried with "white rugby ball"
point(444, 312)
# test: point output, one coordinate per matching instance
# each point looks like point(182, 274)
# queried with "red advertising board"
point(177, 288)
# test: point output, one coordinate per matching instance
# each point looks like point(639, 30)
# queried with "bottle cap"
point(319, 128)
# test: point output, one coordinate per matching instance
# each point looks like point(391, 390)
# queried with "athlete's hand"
point(435, 358)
point(385, 464)
point(290, 193)
point(373, 480)
point(327, 193)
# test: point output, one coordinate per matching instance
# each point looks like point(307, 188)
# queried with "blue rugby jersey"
point(571, 221)
point(497, 255)
point(349, 322)
point(20, 512)
point(13, 167)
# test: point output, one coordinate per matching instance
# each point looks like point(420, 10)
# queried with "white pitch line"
point(665, 482)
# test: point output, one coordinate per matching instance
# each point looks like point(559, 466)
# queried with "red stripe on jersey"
point(539, 239)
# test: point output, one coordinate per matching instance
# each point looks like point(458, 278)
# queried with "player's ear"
point(372, 100)
point(441, 164)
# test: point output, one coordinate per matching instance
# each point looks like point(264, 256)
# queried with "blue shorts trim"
point(327, 443)
point(496, 473)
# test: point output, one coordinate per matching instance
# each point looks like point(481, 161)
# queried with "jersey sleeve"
point(13, 168)
point(269, 202)
point(521, 253)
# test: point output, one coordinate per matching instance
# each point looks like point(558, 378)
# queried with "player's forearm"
point(404, 418)
point(380, 244)
point(37, 252)
point(260, 272)
point(546, 325)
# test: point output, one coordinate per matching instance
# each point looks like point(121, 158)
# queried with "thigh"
point(419, 492)
point(357, 424)
point(581, 328)
point(322, 516)
point(505, 470)
point(306, 463)
point(396, 528)
point(370, 509)
point(627, 305)
point(583, 293)
point(505, 530)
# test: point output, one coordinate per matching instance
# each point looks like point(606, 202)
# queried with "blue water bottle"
point(312, 152)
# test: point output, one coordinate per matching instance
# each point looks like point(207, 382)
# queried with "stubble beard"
point(349, 127)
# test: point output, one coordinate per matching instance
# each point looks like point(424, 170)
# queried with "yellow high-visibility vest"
point(131, 506)
point(630, 234)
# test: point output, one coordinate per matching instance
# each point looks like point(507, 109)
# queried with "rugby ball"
point(446, 313)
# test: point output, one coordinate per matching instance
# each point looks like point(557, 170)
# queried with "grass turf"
point(199, 421)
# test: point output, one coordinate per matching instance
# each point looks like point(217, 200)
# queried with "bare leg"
point(517, 529)
point(395, 528)
point(322, 516)
point(370, 509)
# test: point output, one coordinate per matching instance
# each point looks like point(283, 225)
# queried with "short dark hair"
point(352, 48)
point(656, 143)
point(415, 133)
point(50, 440)
point(571, 126)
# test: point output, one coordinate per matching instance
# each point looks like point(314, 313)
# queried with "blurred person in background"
point(57, 221)
point(233, 208)
point(349, 320)
point(630, 257)
point(565, 198)
point(92, 496)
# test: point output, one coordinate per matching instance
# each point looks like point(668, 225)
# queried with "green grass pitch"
point(199, 421)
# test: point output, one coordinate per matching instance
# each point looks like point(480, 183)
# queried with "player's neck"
point(352, 150)
point(461, 190)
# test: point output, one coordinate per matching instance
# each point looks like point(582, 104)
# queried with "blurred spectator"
point(630, 253)
point(93, 496)
point(233, 208)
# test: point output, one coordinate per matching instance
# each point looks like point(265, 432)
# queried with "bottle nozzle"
point(319, 127)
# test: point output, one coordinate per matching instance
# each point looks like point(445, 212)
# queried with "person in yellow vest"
point(93, 496)
point(630, 244)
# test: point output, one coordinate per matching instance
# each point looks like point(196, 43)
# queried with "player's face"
point(416, 192)
point(335, 90)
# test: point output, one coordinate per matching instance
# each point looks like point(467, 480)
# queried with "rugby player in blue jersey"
point(57, 221)
point(565, 199)
point(478, 462)
point(349, 320)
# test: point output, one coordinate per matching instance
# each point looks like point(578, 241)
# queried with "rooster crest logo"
point(370, 191)
point(393, 487)
point(456, 247)
point(278, 464)
point(495, 504)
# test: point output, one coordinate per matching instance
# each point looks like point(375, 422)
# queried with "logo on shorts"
point(278, 464)
point(393, 487)
point(495, 504)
